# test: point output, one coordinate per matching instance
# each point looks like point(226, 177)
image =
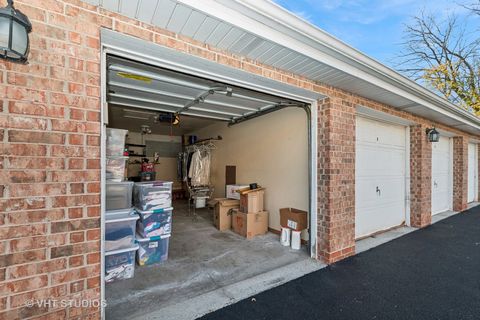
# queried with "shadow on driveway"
point(433, 273)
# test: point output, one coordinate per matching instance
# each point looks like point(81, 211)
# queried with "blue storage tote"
point(152, 195)
point(154, 222)
point(152, 250)
point(120, 229)
point(120, 264)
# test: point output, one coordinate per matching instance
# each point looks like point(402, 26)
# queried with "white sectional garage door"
point(380, 171)
point(441, 176)
point(472, 172)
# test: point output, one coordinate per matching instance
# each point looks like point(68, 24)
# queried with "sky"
point(375, 27)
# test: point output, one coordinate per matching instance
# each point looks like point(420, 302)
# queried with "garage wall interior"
point(50, 154)
point(272, 149)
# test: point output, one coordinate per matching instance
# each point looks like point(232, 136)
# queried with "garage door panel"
point(380, 173)
point(441, 175)
point(384, 164)
point(442, 146)
point(388, 161)
point(472, 172)
point(388, 191)
point(380, 133)
point(385, 216)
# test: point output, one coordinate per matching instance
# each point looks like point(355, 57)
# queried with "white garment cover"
point(199, 172)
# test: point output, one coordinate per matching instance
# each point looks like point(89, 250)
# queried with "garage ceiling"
point(138, 85)
point(132, 119)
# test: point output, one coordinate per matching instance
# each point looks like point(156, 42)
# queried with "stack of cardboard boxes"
point(245, 216)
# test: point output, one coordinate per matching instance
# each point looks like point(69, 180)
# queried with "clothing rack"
point(205, 145)
point(204, 141)
point(199, 153)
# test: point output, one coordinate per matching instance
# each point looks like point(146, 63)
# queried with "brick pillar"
point(336, 180)
point(420, 177)
point(460, 173)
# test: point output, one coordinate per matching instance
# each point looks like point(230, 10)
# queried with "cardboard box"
point(222, 215)
point(250, 225)
point(294, 219)
point(231, 190)
point(251, 201)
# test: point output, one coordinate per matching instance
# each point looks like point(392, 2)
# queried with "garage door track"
point(433, 273)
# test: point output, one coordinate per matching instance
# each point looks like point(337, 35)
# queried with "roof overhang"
point(266, 32)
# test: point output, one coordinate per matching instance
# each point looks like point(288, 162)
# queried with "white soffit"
point(263, 31)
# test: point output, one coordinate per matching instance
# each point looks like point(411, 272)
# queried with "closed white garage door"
point(441, 176)
point(472, 172)
point(380, 169)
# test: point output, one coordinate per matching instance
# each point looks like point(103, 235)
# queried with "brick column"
point(460, 173)
point(420, 177)
point(336, 180)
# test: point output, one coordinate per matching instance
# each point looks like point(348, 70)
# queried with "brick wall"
point(49, 155)
point(420, 177)
point(460, 173)
point(336, 179)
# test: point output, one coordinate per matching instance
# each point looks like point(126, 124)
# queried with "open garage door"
point(442, 175)
point(172, 117)
point(380, 171)
point(472, 172)
point(142, 86)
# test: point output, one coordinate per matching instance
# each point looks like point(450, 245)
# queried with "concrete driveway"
point(433, 273)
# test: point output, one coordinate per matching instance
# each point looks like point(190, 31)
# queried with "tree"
point(443, 56)
point(474, 8)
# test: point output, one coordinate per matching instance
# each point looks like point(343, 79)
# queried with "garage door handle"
point(435, 184)
point(378, 191)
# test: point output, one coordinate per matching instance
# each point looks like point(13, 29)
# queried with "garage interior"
point(163, 111)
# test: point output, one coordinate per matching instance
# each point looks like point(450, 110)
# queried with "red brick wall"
point(460, 173)
point(420, 177)
point(336, 179)
point(49, 155)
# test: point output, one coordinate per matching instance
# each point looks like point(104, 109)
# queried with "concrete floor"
point(201, 260)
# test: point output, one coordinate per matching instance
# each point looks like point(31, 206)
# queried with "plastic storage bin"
point(118, 195)
point(152, 250)
point(116, 168)
point(115, 142)
point(152, 195)
point(154, 222)
point(120, 229)
point(120, 264)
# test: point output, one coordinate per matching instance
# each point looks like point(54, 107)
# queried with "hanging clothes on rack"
point(194, 162)
point(199, 171)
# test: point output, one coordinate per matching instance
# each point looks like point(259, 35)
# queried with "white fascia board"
point(293, 40)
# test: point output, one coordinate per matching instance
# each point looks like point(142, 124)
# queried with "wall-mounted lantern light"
point(433, 135)
point(14, 30)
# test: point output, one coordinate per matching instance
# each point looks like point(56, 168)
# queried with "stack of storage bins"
point(120, 218)
point(153, 203)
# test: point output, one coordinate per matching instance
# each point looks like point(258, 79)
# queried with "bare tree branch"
point(441, 55)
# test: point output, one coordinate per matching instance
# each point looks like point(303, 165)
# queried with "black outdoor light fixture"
point(14, 30)
point(433, 135)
